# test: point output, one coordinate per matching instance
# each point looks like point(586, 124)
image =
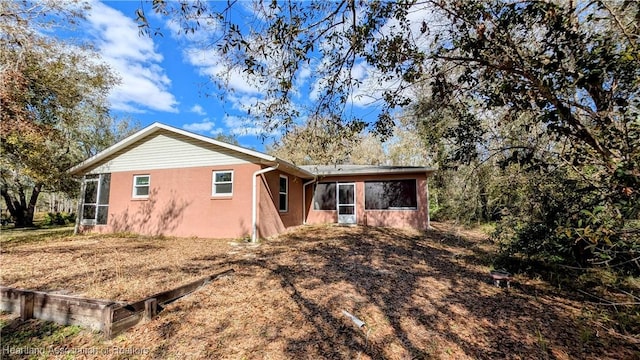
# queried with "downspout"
point(304, 199)
point(254, 205)
point(79, 213)
point(428, 206)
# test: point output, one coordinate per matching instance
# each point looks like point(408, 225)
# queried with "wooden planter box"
point(110, 317)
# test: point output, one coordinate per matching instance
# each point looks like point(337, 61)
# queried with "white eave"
point(260, 158)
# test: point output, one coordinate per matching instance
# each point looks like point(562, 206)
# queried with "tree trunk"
point(484, 204)
point(21, 211)
point(31, 208)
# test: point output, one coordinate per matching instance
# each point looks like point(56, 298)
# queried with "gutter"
point(254, 204)
point(304, 199)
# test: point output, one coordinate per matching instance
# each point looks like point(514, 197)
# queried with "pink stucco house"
point(167, 181)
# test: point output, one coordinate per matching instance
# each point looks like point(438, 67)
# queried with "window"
point(95, 202)
point(390, 195)
point(324, 197)
point(222, 183)
point(141, 186)
point(284, 191)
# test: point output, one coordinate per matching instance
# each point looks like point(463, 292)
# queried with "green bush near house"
point(59, 218)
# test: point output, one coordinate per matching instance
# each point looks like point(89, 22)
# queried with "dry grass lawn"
point(421, 295)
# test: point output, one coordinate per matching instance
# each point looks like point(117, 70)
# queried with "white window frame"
point(285, 193)
point(99, 189)
point(133, 193)
point(214, 183)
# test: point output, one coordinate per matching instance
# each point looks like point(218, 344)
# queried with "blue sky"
point(167, 78)
point(163, 78)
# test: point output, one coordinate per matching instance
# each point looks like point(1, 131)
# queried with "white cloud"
point(197, 109)
point(360, 71)
point(417, 14)
point(242, 103)
point(206, 126)
point(210, 63)
point(208, 28)
point(235, 125)
point(243, 126)
point(259, 10)
point(202, 126)
point(303, 76)
point(372, 82)
point(144, 84)
point(364, 94)
point(198, 52)
point(217, 131)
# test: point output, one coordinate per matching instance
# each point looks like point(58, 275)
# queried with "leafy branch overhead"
point(286, 39)
point(568, 62)
point(550, 88)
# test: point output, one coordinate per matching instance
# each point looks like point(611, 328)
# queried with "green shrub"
point(59, 218)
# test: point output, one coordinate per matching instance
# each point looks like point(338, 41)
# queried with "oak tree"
point(54, 104)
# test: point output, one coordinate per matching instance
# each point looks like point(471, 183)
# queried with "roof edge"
point(156, 126)
point(322, 171)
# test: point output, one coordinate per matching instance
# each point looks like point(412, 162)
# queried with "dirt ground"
point(421, 296)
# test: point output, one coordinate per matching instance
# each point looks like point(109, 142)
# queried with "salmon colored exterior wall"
point(270, 220)
point(181, 204)
point(416, 219)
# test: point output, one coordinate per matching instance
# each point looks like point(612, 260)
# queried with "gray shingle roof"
point(337, 170)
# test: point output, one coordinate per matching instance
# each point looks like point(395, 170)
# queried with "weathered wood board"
point(107, 316)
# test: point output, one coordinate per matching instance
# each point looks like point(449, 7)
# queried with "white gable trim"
point(155, 127)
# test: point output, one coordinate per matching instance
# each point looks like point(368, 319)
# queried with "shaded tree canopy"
point(321, 142)
point(549, 90)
